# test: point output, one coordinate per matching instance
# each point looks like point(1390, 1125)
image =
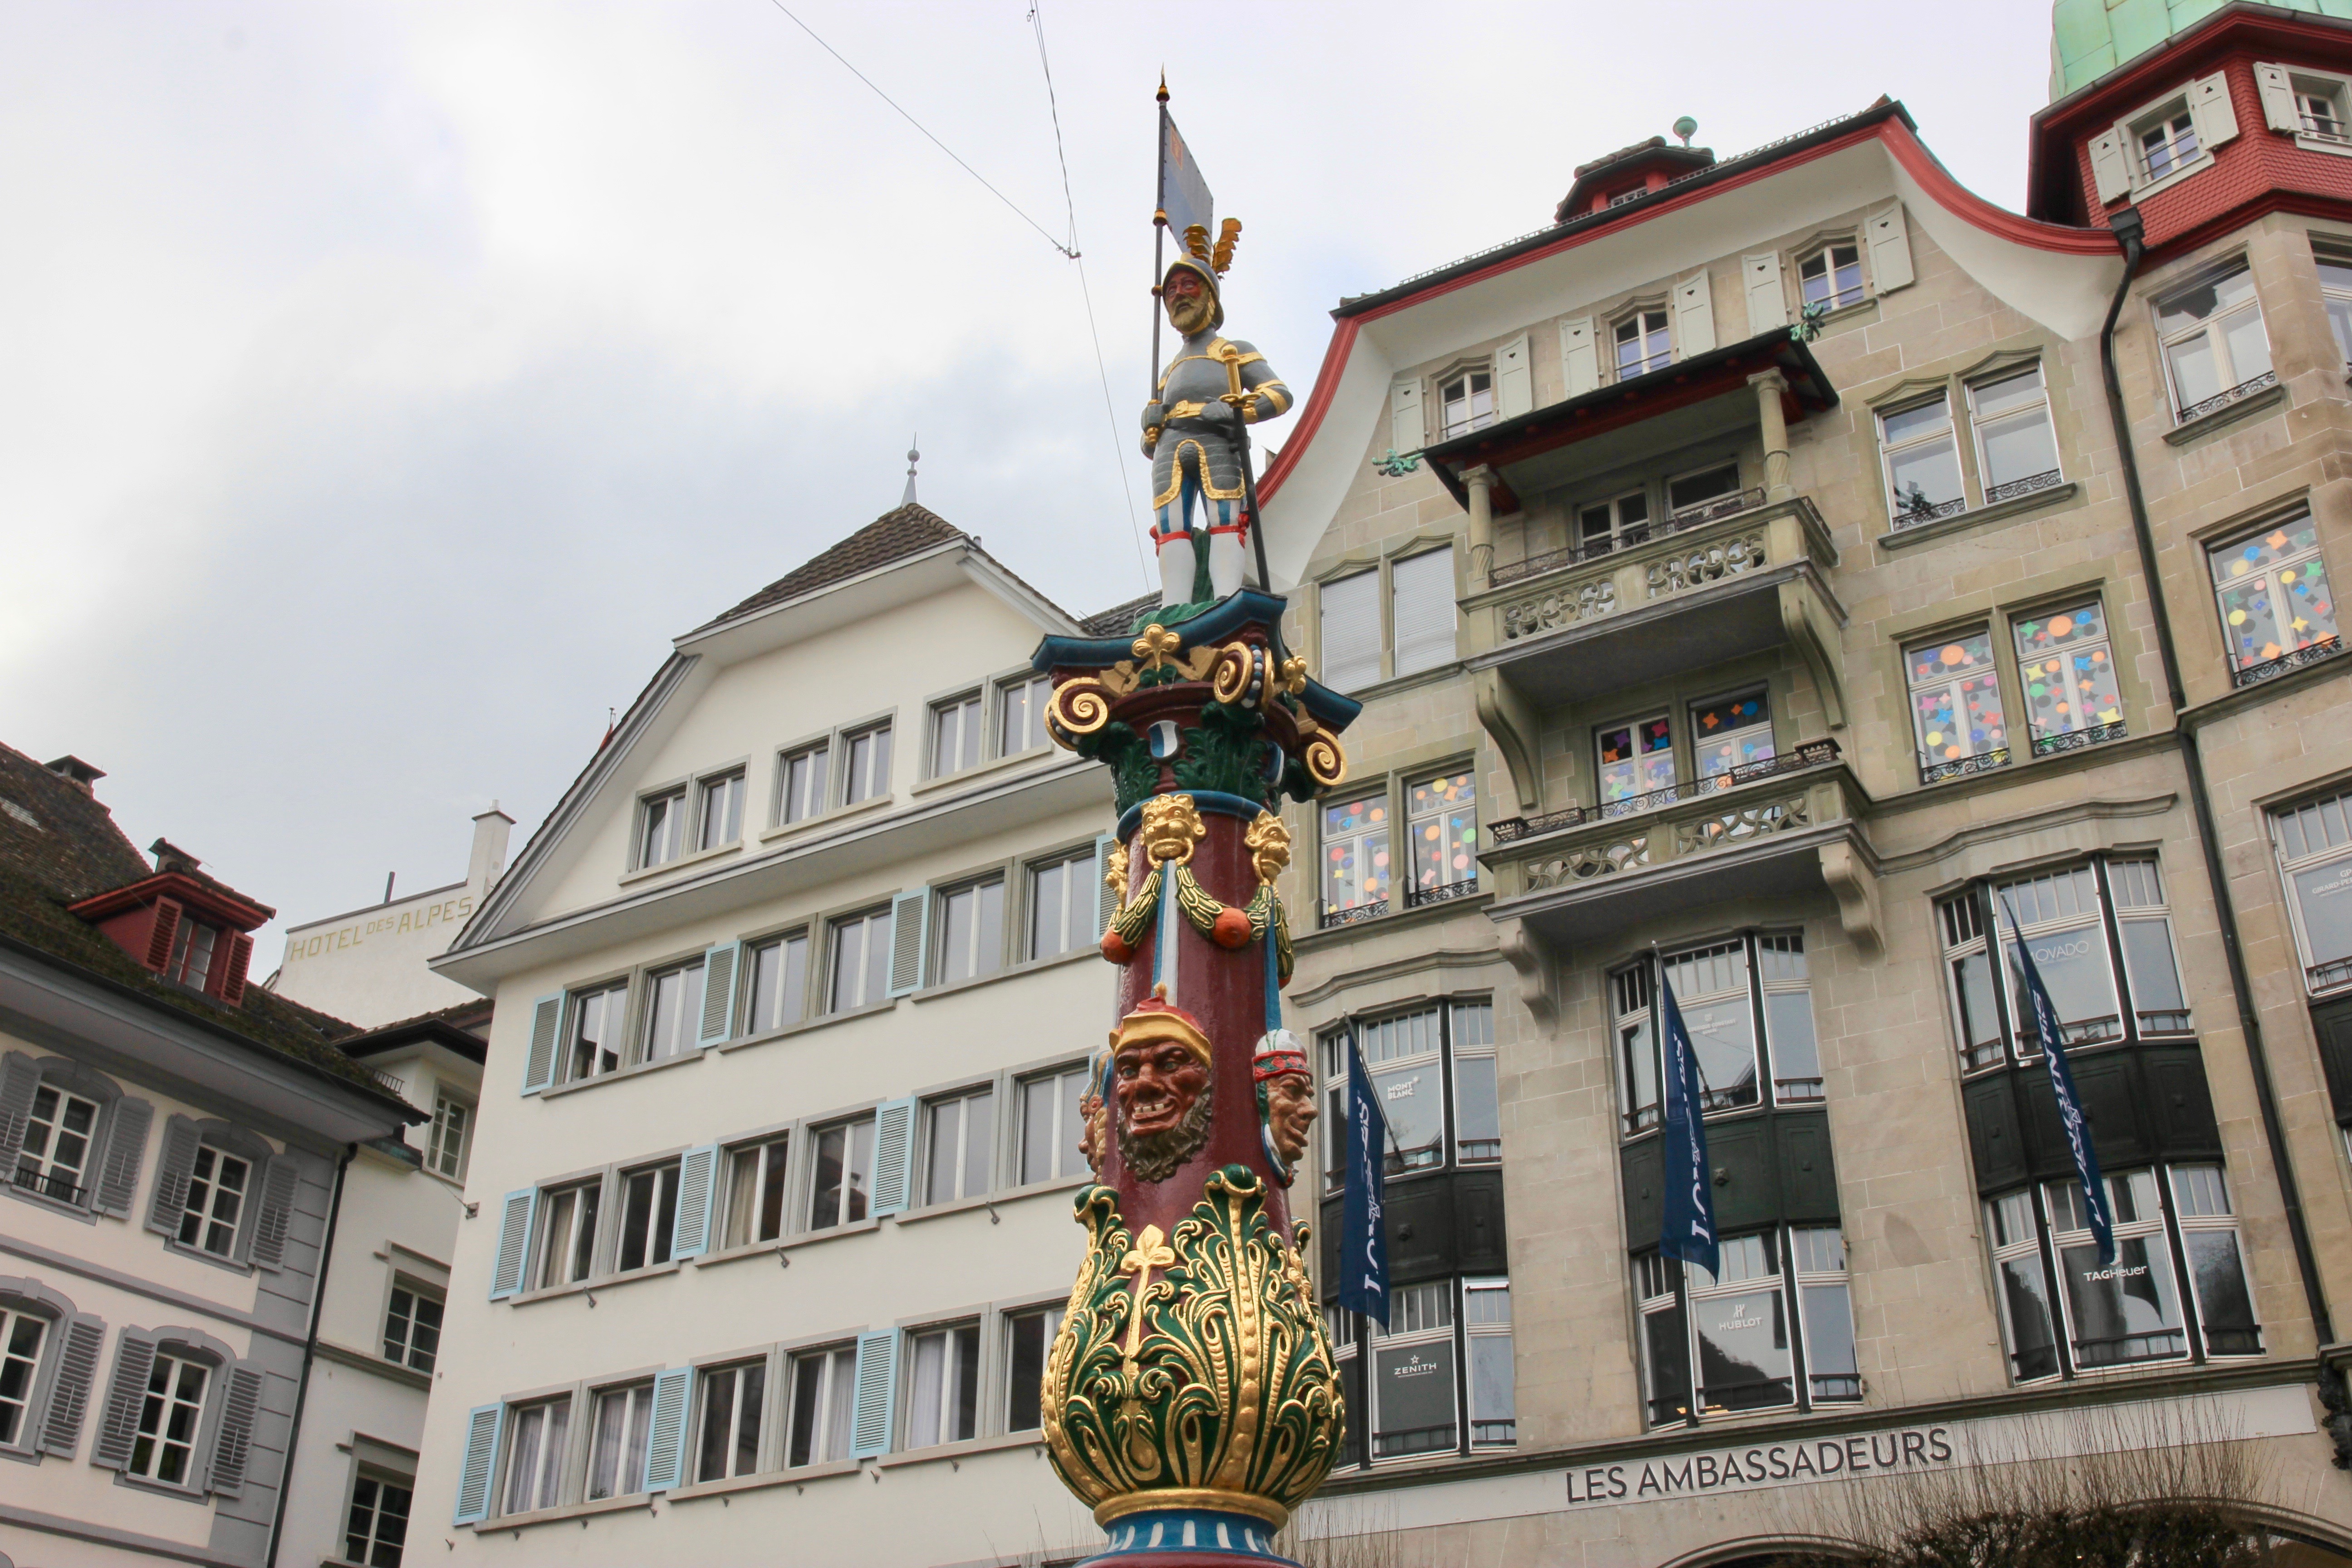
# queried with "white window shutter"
point(1107, 898)
point(2277, 90)
point(719, 967)
point(2110, 169)
point(482, 1424)
point(1580, 360)
point(69, 1395)
point(910, 915)
point(2211, 110)
point(1351, 631)
point(514, 1242)
point(697, 1176)
point(233, 1443)
point(665, 1444)
point(1405, 433)
point(1890, 248)
point(1768, 304)
point(1515, 386)
point(877, 1391)
point(1694, 315)
point(894, 1155)
point(1424, 592)
point(546, 1024)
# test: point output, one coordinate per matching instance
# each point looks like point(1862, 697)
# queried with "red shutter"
point(159, 940)
point(240, 954)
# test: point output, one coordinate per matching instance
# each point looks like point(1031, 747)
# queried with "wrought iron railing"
point(1933, 772)
point(2010, 489)
point(1982, 1054)
point(1712, 510)
point(1641, 1118)
point(1920, 510)
point(2220, 400)
point(2122, 1350)
point(1840, 300)
point(1836, 1386)
point(1354, 914)
point(2234, 1341)
point(1415, 898)
point(2329, 975)
point(52, 1183)
point(2076, 740)
point(2325, 647)
point(1795, 1090)
point(1477, 1151)
point(2323, 130)
point(1811, 754)
point(2169, 1021)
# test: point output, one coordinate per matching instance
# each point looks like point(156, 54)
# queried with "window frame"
point(69, 1087)
point(1384, 589)
point(1636, 313)
point(2318, 979)
point(737, 773)
point(436, 1146)
point(784, 803)
point(986, 958)
point(2246, 672)
point(581, 1230)
point(763, 1447)
point(844, 763)
point(401, 1282)
point(1065, 1140)
point(924, 1169)
point(833, 1397)
point(1823, 249)
point(380, 1475)
point(561, 1471)
point(2171, 117)
point(1447, 1052)
point(2000, 373)
point(1357, 1342)
point(1636, 1030)
point(1028, 683)
point(644, 991)
point(676, 800)
point(1080, 900)
point(951, 1330)
point(1464, 372)
point(971, 707)
point(2336, 295)
point(2236, 386)
point(1667, 1287)
point(747, 969)
point(1911, 648)
point(636, 1395)
point(865, 916)
point(575, 998)
point(1899, 515)
point(812, 1154)
point(1008, 1320)
point(2075, 737)
point(769, 1175)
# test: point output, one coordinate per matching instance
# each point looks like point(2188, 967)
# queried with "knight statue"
point(1193, 431)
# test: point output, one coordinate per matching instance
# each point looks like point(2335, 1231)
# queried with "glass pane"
point(2196, 374)
point(1494, 1409)
point(2339, 321)
point(1694, 489)
point(2324, 893)
point(1743, 1350)
point(718, 1421)
point(2250, 346)
point(2155, 982)
point(1829, 1343)
point(1048, 886)
point(1414, 1389)
point(1478, 1135)
point(2074, 969)
point(1413, 1101)
point(1925, 477)
point(2032, 1339)
point(1913, 422)
point(1444, 826)
point(2019, 447)
point(2223, 1302)
point(2254, 557)
point(1666, 1363)
point(1994, 398)
point(1730, 734)
point(1796, 1055)
point(2195, 304)
point(942, 1162)
point(926, 1388)
point(1723, 1039)
point(1636, 760)
point(2125, 1312)
point(979, 1140)
point(1638, 1061)
point(955, 916)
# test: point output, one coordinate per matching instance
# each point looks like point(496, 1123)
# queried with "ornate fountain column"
point(1190, 1397)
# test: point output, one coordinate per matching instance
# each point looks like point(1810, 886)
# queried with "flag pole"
point(1158, 237)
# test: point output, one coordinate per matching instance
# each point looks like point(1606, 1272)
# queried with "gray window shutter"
point(698, 1175)
point(2110, 169)
point(1515, 386)
point(894, 1155)
point(719, 967)
point(172, 1172)
point(1768, 303)
point(118, 1424)
point(20, 1078)
point(1108, 898)
point(1890, 248)
point(280, 1180)
point(2277, 90)
point(909, 936)
point(878, 1394)
point(2211, 110)
point(546, 1023)
point(85, 1336)
point(1580, 358)
point(666, 1445)
point(1423, 586)
point(1405, 432)
point(1694, 315)
point(1351, 631)
point(126, 1150)
point(514, 1242)
point(480, 1463)
point(233, 1445)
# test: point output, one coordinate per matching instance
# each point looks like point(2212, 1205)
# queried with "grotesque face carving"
point(1290, 1112)
point(1090, 1130)
point(1187, 301)
point(1161, 1086)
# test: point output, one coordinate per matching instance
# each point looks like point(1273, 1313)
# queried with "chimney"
point(489, 857)
point(170, 857)
point(79, 773)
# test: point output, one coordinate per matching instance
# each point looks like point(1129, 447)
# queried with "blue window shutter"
point(910, 915)
point(698, 1175)
point(878, 1394)
point(666, 1446)
point(546, 1023)
point(514, 1242)
point(719, 967)
point(894, 1155)
point(1107, 898)
point(482, 1424)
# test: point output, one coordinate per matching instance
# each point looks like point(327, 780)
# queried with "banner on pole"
point(1363, 1282)
point(2062, 1084)
point(1183, 193)
point(1686, 1228)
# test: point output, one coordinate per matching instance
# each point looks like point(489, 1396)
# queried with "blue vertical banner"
point(1363, 1240)
point(1686, 1229)
point(1183, 193)
point(2070, 1106)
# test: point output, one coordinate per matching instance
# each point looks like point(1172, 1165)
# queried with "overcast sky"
point(383, 387)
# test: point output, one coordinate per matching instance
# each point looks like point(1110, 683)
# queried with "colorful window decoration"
point(2068, 673)
point(1730, 734)
point(1356, 853)
point(1956, 705)
point(1635, 760)
point(1442, 814)
point(2274, 593)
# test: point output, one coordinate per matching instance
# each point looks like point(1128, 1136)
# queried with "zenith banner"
point(1363, 1240)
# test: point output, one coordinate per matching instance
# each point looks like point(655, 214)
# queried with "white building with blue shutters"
point(778, 1130)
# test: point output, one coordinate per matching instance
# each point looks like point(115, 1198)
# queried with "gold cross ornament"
point(1151, 1251)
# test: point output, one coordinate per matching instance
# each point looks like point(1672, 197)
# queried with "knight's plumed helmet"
point(1278, 1054)
point(1207, 262)
point(1157, 1018)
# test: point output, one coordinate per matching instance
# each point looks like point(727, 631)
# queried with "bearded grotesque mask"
point(1159, 1090)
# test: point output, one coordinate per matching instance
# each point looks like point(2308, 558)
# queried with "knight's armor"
point(1196, 462)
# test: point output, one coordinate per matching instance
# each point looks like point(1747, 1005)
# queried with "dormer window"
point(1468, 401)
point(1643, 344)
point(182, 925)
point(2320, 112)
point(2168, 143)
point(193, 945)
point(1831, 277)
point(2164, 141)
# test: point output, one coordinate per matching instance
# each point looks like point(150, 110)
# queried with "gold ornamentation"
point(1210, 1384)
point(1155, 645)
point(1149, 1252)
point(1230, 676)
point(1268, 841)
point(1327, 765)
point(1294, 675)
point(1115, 870)
point(1171, 827)
point(1076, 707)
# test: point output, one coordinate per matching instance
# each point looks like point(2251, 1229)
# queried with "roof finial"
point(913, 457)
point(1686, 127)
point(1164, 84)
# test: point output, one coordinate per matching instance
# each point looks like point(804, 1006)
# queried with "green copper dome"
point(2088, 38)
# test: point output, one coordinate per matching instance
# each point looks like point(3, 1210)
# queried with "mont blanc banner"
point(2070, 1107)
point(1363, 1282)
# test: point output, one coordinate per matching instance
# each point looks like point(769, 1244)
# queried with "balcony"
point(1790, 826)
point(1733, 577)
